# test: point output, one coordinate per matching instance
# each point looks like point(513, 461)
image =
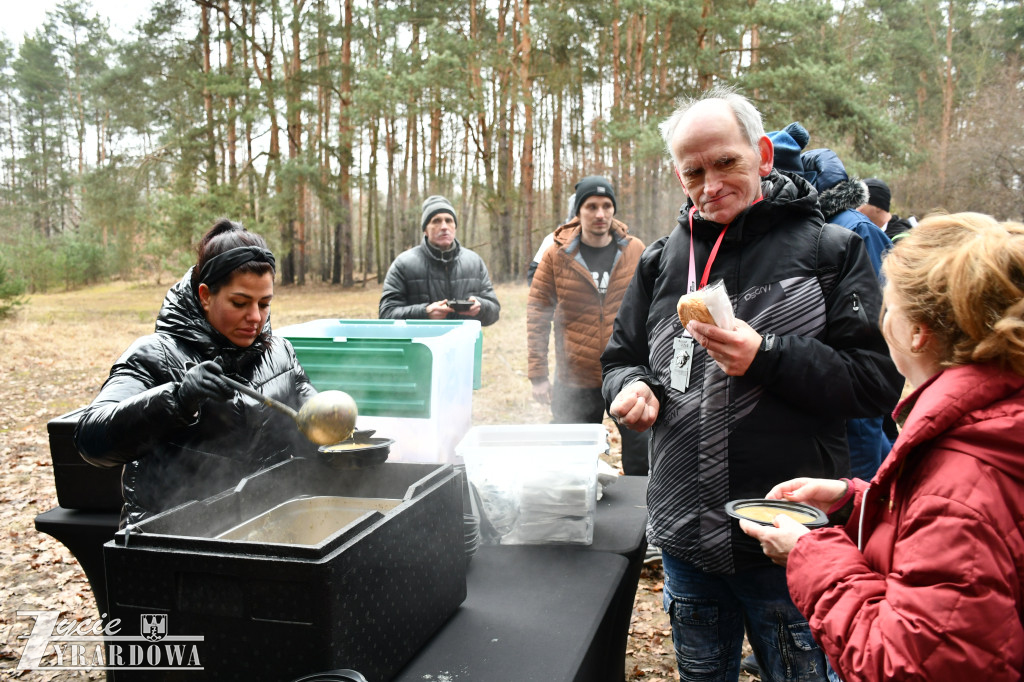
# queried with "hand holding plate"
point(817, 492)
point(776, 541)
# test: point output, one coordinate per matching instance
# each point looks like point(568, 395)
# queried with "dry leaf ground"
point(54, 355)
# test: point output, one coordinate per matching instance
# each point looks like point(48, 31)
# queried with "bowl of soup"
point(764, 511)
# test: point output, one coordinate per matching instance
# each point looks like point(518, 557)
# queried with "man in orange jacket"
point(579, 285)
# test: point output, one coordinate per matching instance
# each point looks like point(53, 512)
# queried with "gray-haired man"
point(735, 411)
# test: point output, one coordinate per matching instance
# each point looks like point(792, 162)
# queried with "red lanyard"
point(691, 282)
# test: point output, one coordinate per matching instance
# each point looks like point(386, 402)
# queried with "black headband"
point(225, 263)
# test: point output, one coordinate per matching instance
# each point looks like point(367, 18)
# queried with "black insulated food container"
point(366, 597)
point(80, 485)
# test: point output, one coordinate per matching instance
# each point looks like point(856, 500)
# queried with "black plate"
point(357, 454)
point(736, 507)
point(460, 306)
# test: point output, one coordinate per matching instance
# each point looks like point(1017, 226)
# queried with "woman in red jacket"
point(923, 578)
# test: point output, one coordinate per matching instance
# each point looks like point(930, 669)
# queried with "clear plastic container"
point(537, 482)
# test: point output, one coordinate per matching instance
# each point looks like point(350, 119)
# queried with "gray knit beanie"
point(593, 185)
point(433, 205)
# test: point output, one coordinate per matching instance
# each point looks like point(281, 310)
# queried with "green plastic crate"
point(391, 368)
point(478, 347)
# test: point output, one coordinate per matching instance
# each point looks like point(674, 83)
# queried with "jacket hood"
point(846, 194)
point(837, 191)
point(182, 317)
point(785, 197)
point(565, 234)
point(971, 408)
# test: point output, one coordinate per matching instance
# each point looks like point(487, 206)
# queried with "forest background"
point(323, 124)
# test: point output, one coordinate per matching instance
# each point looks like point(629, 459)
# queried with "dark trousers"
point(571, 405)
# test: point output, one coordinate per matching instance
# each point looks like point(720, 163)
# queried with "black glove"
point(201, 383)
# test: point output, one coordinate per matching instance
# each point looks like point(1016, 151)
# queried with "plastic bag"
point(716, 298)
point(530, 502)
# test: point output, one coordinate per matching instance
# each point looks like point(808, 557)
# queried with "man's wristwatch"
point(767, 342)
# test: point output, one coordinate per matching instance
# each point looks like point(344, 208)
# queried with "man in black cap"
point(439, 279)
point(578, 286)
point(877, 210)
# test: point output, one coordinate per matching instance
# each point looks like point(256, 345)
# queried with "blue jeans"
point(710, 612)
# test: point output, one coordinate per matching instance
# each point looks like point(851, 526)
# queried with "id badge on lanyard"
point(682, 362)
point(682, 346)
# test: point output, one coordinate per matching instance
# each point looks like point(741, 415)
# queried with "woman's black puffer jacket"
point(170, 457)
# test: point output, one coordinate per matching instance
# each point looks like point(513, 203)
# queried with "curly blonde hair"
point(962, 276)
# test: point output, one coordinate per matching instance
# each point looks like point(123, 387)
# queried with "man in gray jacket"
point(439, 279)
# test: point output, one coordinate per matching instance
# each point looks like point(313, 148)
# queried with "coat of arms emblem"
point(154, 626)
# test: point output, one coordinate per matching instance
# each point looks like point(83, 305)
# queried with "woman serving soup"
point(166, 413)
point(925, 580)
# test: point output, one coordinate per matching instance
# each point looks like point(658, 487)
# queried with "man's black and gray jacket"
point(788, 274)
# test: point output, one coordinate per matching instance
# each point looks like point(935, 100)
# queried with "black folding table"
point(549, 613)
point(555, 613)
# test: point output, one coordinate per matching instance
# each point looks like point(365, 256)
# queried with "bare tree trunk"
point(947, 100)
point(501, 229)
point(250, 172)
point(526, 161)
point(320, 145)
point(390, 227)
point(662, 54)
point(285, 260)
point(557, 177)
point(433, 183)
point(755, 47)
point(293, 94)
point(102, 133)
point(232, 114)
point(617, 87)
point(636, 27)
point(704, 76)
point(211, 143)
point(412, 140)
point(421, 140)
point(373, 203)
point(79, 108)
point(344, 235)
point(466, 186)
point(482, 135)
point(384, 244)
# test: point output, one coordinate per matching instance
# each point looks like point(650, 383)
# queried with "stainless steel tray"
point(307, 520)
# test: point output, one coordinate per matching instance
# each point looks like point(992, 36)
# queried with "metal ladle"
point(327, 418)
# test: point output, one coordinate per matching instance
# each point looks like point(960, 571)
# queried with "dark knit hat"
point(788, 144)
point(878, 193)
point(433, 205)
point(593, 185)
